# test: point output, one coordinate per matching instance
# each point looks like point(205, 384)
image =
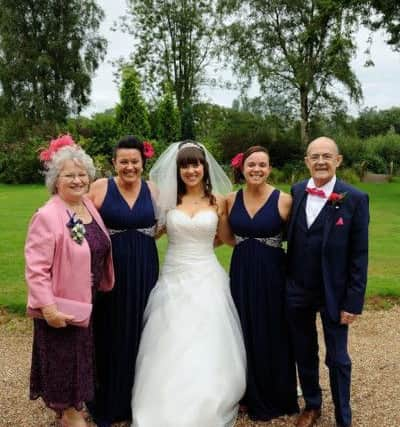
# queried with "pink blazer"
point(56, 265)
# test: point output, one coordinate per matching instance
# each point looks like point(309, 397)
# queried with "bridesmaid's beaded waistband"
point(149, 231)
point(274, 241)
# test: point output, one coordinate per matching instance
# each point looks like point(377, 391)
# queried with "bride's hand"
point(160, 230)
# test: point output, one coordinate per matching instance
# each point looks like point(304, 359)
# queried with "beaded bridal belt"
point(274, 241)
point(149, 231)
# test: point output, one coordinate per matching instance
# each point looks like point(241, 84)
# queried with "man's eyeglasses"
point(326, 157)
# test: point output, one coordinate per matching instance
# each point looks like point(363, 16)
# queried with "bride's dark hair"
point(192, 154)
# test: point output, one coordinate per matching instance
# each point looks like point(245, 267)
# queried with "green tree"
point(372, 122)
point(168, 119)
point(131, 113)
point(227, 131)
point(101, 132)
point(296, 49)
point(49, 50)
point(173, 42)
point(384, 14)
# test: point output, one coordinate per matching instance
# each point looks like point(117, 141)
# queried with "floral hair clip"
point(55, 144)
point(148, 150)
point(77, 229)
point(237, 161)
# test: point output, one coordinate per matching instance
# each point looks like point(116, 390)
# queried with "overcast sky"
point(380, 84)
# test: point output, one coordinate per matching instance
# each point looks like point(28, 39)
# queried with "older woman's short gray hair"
point(56, 164)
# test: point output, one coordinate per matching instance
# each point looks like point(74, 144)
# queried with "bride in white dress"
point(190, 369)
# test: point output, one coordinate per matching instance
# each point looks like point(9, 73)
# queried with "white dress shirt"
point(314, 204)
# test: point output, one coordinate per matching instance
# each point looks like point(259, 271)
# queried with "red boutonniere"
point(336, 199)
point(148, 150)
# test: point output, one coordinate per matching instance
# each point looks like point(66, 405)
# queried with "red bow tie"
point(316, 192)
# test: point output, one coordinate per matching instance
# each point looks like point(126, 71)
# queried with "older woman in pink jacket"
point(68, 259)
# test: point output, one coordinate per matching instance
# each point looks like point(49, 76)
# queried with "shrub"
point(103, 133)
point(294, 171)
point(103, 165)
point(373, 154)
point(277, 177)
point(352, 149)
point(375, 163)
point(387, 147)
point(19, 162)
point(349, 175)
point(214, 147)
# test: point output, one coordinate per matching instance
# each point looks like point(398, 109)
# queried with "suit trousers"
point(302, 321)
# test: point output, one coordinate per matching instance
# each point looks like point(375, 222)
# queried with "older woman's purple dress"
point(62, 372)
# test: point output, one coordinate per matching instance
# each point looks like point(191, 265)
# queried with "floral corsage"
point(76, 228)
point(336, 199)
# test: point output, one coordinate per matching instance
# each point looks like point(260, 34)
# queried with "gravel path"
point(374, 346)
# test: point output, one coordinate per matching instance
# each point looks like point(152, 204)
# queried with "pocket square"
point(339, 221)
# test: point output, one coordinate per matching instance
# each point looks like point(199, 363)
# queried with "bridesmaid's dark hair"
point(237, 172)
point(193, 154)
point(130, 142)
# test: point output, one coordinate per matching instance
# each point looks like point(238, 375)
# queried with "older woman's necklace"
point(79, 210)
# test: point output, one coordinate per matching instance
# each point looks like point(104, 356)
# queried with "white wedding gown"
point(191, 366)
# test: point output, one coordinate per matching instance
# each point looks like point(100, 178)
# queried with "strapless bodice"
point(185, 230)
point(191, 238)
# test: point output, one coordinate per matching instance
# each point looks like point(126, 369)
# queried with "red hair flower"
point(55, 144)
point(237, 161)
point(148, 150)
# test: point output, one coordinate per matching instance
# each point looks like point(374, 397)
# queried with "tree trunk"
point(304, 124)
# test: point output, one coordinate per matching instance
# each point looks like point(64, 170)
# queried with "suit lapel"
point(297, 200)
point(330, 214)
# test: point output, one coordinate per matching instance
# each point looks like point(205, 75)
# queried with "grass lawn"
point(18, 202)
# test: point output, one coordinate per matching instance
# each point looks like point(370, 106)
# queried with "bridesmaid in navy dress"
point(257, 216)
point(125, 203)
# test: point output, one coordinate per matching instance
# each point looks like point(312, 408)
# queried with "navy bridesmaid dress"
point(118, 315)
point(257, 275)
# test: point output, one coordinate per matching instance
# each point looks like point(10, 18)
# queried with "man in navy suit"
point(327, 273)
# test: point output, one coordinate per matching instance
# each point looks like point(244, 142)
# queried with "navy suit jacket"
point(344, 248)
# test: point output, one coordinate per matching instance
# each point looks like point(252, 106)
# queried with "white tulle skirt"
point(190, 369)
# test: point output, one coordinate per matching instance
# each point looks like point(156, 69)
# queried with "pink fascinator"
point(237, 161)
point(148, 150)
point(55, 144)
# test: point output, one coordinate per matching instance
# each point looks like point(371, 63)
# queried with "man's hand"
point(55, 318)
point(347, 318)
